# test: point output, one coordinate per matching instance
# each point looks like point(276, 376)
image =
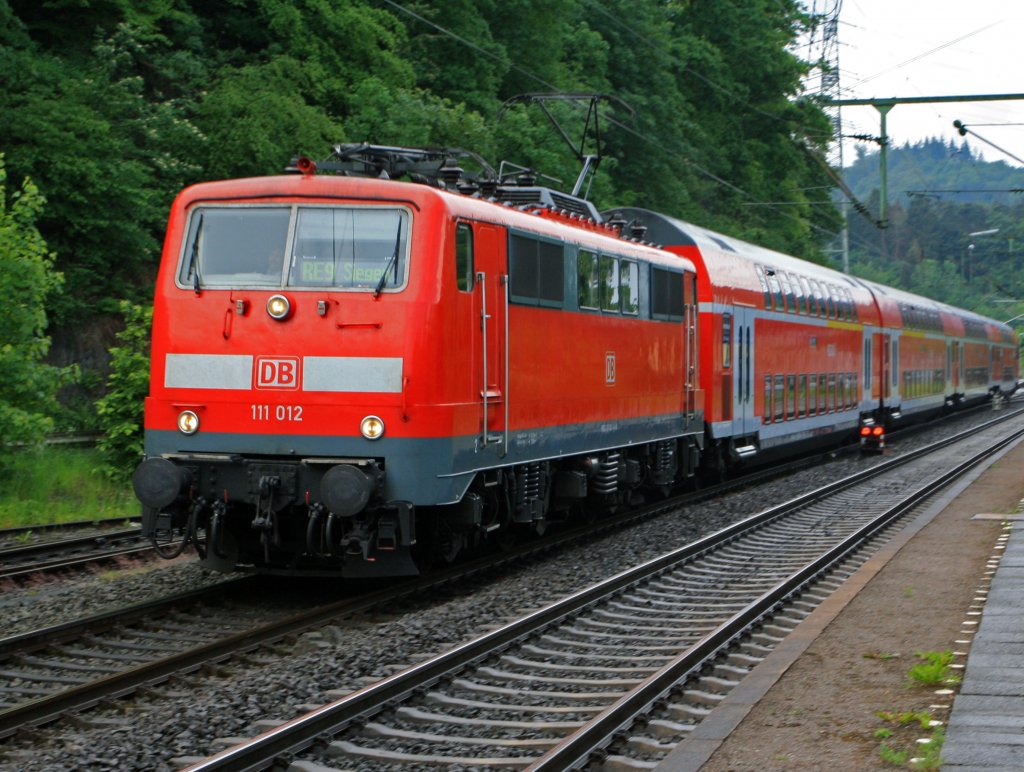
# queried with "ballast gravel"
point(198, 714)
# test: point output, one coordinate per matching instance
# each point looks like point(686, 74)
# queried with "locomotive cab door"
point(491, 336)
point(744, 419)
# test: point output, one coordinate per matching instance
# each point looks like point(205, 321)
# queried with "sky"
point(915, 48)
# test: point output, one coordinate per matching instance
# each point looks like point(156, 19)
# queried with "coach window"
point(787, 289)
point(464, 257)
point(801, 396)
point(805, 297)
point(830, 301)
point(609, 284)
point(764, 286)
point(726, 340)
point(801, 298)
point(767, 399)
point(819, 295)
point(629, 287)
point(779, 399)
point(812, 395)
point(790, 396)
point(588, 280)
point(773, 282)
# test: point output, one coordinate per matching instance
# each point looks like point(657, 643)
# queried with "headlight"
point(278, 306)
point(188, 422)
point(371, 427)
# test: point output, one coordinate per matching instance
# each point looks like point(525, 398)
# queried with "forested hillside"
point(956, 226)
point(111, 106)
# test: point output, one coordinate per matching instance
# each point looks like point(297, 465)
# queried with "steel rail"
point(49, 708)
point(299, 734)
point(58, 564)
point(95, 541)
point(577, 749)
point(32, 640)
point(6, 534)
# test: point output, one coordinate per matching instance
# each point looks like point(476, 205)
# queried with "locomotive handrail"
point(481, 280)
point(504, 445)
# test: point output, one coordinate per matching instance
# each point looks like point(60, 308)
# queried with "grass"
point(935, 669)
point(59, 485)
point(902, 744)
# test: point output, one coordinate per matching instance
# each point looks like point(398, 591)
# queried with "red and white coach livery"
point(794, 353)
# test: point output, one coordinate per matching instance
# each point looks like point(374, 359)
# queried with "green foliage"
point(892, 756)
point(57, 485)
point(920, 717)
point(904, 744)
point(100, 148)
point(27, 281)
point(932, 246)
point(121, 410)
point(112, 106)
point(934, 670)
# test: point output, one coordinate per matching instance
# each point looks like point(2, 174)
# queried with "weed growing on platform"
point(935, 670)
point(902, 742)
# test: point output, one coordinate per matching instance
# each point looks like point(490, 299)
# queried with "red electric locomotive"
point(795, 354)
point(352, 374)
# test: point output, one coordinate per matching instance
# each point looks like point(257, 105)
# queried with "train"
point(379, 362)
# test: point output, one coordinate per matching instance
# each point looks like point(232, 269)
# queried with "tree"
point(121, 409)
point(27, 281)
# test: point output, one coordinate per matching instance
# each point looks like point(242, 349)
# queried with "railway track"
point(195, 637)
point(23, 557)
point(565, 686)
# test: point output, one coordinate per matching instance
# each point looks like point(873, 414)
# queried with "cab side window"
point(464, 257)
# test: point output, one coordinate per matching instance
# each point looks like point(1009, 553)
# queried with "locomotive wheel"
point(449, 543)
point(436, 543)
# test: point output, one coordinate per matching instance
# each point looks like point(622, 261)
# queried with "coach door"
point(491, 321)
point(886, 366)
point(954, 364)
point(743, 417)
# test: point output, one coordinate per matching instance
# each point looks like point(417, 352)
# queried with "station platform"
point(952, 579)
point(986, 726)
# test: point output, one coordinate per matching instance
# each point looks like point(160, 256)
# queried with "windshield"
point(292, 246)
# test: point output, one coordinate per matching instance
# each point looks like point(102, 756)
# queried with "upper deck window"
point(292, 246)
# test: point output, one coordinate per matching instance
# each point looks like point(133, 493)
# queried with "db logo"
point(277, 373)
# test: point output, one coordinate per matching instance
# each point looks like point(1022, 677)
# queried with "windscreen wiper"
point(193, 261)
point(392, 261)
